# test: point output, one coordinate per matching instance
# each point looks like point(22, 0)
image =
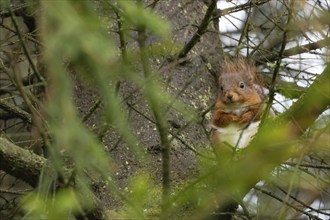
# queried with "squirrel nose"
point(229, 97)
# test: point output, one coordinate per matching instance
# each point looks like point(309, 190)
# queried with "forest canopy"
point(105, 109)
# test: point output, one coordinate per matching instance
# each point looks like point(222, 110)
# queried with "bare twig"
point(296, 50)
point(92, 109)
point(302, 203)
point(26, 52)
point(270, 31)
point(237, 8)
point(276, 71)
point(326, 167)
point(15, 192)
point(11, 108)
point(174, 135)
point(286, 203)
point(28, 36)
point(200, 31)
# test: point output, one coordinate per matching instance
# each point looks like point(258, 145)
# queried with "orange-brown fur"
point(239, 101)
point(222, 119)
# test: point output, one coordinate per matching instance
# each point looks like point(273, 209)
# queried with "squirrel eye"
point(242, 85)
point(221, 88)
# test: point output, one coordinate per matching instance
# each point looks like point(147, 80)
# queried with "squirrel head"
point(237, 85)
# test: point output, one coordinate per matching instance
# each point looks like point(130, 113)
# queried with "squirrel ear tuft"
point(250, 73)
point(251, 70)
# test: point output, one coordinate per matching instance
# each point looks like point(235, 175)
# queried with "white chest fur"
point(237, 135)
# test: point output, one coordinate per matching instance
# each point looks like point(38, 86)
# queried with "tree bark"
point(21, 163)
point(27, 166)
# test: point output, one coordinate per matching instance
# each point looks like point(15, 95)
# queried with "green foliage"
point(4, 3)
point(144, 198)
point(74, 34)
point(142, 18)
point(60, 206)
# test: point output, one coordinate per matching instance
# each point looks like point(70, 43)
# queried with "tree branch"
point(289, 89)
point(21, 11)
point(276, 70)
point(295, 50)
point(200, 31)
point(21, 163)
point(237, 8)
point(27, 166)
point(286, 203)
point(26, 52)
point(8, 107)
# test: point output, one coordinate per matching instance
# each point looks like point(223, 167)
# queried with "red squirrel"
point(239, 106)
